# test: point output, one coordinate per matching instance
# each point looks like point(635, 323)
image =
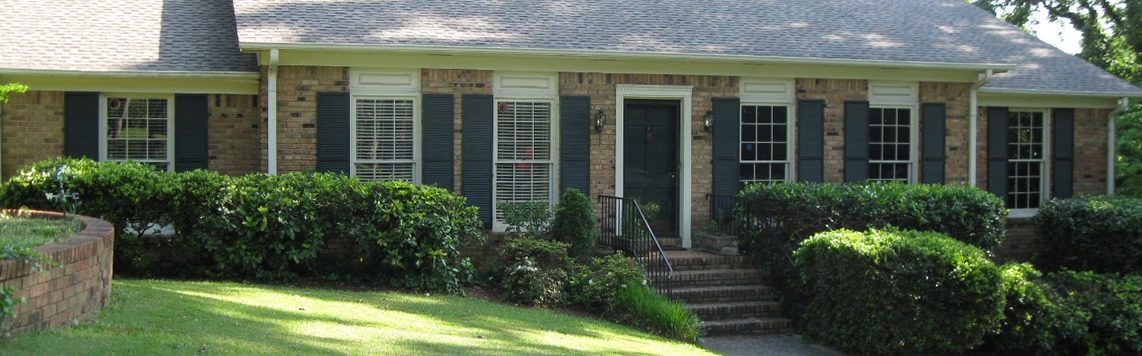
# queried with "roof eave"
point(623, 55)
point(1086, 94)
point(134, 74)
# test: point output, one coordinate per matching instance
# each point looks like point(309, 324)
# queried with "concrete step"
point(722, 294)
point(735, 310)
point(764, 326)
point(669, 241)
point(690, 260)
point(716, 277)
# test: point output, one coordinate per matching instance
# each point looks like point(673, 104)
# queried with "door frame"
point(684, 95)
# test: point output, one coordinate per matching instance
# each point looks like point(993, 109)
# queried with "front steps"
point(727, 293)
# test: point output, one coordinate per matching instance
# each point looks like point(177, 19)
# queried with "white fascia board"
point(132, 74)
point(137, 82)
point(1047, 100)
point(1088, 94)
point(720, 58)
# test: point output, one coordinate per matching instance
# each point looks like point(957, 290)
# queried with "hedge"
point(903, 292)
point(261, 226)
point(1101, 234)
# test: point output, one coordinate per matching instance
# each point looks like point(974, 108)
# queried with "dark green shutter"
point(1063, 167)
point(934, 124)
point(478, 123)
point(333, 132)
point(997, 151)
point(81, 125)
point(191, 140)
point(436, 142)
point(575, 143)
point(856, 141)
point(811, 140)
point(727, 146)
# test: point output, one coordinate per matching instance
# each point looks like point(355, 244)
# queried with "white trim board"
point(684, 94)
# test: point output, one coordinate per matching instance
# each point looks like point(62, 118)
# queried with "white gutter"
point(1085, 94)
point(134, 74)
point(272, 114)
point(973, 128)
point(448, 50)
point(1111, 143)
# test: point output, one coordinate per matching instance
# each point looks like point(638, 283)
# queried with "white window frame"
point(913, 146)
point(103, 121)
point(416, 134)
point(553, 169)
point(790, 141)
point(1045, 166)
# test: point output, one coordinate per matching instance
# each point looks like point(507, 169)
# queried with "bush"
point(1032, 320)
point(801, 210)
point(904, 292)
point(596, 285)
point(533, 270)
point(575, 224)
point(533, 217)
point(1102, 313)
point(645, 309)
point(1101, 234)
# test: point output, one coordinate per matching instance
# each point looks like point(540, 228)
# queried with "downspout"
point(272, 114)
point(973, 128)
point(1111, 143)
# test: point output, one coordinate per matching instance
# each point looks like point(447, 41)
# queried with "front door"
point(650, 160)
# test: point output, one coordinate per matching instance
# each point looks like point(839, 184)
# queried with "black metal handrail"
point(723, 209)
point(623, 226)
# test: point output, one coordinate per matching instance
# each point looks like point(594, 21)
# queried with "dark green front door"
point(650, 160)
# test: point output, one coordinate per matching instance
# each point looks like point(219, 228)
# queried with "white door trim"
point(684, 94)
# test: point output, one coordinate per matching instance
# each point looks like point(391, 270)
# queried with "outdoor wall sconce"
point(709, 124)
point(600, 120)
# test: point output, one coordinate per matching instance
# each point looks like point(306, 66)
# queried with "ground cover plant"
point(149, 317)
point(22, 232)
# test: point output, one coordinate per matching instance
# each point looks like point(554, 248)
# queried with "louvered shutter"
point(1063, 167)
point(437, 142)
point(856, 141)
point(333, 132)
point(476, 111)
point(81, 125)
point(727, 136)
point(811, 140)
point(935, 127)
point(575, 143)
point(191, 133)
point(997, 151)
point(384, 139)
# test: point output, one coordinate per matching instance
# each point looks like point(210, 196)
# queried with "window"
point(1026, 159)
point(523, 152)
point(138, 129)
point(890, 145)
point(764, 144)
point(384, 139)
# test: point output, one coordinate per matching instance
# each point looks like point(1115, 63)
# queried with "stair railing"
point(624, 226)
point(723, 210)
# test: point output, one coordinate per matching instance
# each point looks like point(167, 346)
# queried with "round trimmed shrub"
point(1033, 320)
point(575, 224)
point(1101, 234)
point(533, 270)
point(898, 292)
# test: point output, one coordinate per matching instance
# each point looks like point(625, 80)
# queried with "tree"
point(10, 88)
point(1112, 40)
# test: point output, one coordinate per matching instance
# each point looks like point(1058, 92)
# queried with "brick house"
point(664, 100)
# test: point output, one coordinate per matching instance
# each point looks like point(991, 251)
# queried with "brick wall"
point(957, 143)
point(32, 129)
point(297, 113)
point(1018, 244)
point(72, 292)
point(234, 125)
point(834, 92)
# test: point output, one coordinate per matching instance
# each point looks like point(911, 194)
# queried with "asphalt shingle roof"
point(924, 31)
point(122, 35)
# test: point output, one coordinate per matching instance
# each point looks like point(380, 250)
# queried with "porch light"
point(709, 124)
point(600, 120)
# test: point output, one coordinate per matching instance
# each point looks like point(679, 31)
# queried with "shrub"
point(575, 224)
point(1101, 234)
point(966, 214)
point(905, 292)
point(596, 285)
point(645, 309)
point(533, 270)
point(1032, 320)
point(1102, 313)
point(533, 217)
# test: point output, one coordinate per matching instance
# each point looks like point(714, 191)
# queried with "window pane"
point(1026, 159)
point(764, 143)
point(137, 130)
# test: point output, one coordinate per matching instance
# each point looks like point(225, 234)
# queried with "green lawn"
point(149, 317)
point(21, 232)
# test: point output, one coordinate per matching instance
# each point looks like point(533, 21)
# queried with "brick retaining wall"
point(72, 292)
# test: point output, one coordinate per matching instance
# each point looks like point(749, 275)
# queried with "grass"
point(148, 317)
point(21, 233)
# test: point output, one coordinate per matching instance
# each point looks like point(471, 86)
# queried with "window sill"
point(1022, 213)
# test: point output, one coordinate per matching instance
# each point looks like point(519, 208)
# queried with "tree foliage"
point(10, 88)
point(1112, 40)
